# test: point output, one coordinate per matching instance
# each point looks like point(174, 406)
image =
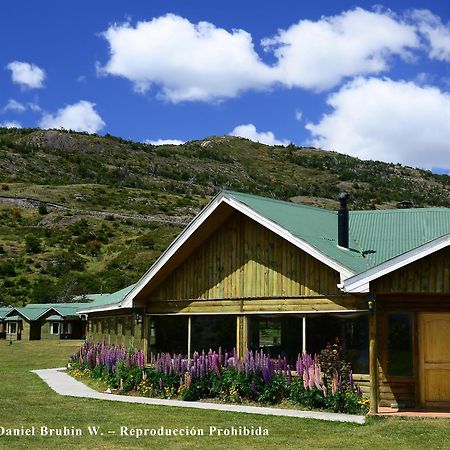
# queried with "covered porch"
point(276, 334)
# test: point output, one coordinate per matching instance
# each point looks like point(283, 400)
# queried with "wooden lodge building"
point(257, 273)
point(45, 321)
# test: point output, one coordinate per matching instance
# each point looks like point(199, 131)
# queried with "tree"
point(32, 244)
point(42, 209)
point(44, 291)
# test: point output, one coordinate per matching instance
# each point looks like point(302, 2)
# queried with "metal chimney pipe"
point(343, 220)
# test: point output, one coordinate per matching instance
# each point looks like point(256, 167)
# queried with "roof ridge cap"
point(275, 200)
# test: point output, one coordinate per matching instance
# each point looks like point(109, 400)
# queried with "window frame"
point(52, 324)
point(412, 317)
point(66, 327)
point(16, 327)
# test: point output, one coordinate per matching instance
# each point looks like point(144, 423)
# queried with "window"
point(54, 327)
point(212, 332)
point(276, 336)
point(170, 334)
point(67, 328)
point(400, 358)
point(269, 333)
point(283, 336)
point(12, 327)
point(350, 331)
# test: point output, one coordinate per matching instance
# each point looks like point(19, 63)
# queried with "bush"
point(32, 244)
point(7, 269)
point(64, 262)
point(93, 247)
point(147, 241)
point(256, 378)
point(42, 209)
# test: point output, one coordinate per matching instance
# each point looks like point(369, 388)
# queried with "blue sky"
point(370, 80)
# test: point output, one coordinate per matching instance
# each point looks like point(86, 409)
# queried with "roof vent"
point(343, 221)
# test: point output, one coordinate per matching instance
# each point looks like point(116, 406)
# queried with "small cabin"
point(257, 273)
point(45, 321)
point(3, 312)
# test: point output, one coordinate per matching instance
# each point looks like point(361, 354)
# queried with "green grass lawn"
point(27, 401)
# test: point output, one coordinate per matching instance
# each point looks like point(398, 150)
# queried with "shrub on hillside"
point(32, 244)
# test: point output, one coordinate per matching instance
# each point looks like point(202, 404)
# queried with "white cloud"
point(319, 55)
point(186, 61)
point(34, 107)
point(436, 33)
point(201, 62)
point(393, 121)
point(298, 115)
point(11, 124)
point(164, 142)
point(265, 137)
point(18, 107)
point(26, 74)
point(80, 116)
point(14, 105)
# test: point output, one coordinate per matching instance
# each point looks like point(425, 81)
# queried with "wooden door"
point(434, 335)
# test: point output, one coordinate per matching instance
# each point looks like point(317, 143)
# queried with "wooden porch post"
point(304, 334)
point(373, 358)
point(145, 337)
point(241, 335)
point(189, 338)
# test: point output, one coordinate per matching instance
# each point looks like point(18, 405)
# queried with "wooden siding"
point(116, 329)
point(245, 260)
point(403, 389)
point(427, 275)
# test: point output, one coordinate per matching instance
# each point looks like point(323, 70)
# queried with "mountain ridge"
point(120, 203)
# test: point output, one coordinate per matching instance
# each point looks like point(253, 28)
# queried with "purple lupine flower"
point(334, 382)
point(311, 373)
point(317, 376)
point(359, 391)
point(299, 365)
point(266, 375)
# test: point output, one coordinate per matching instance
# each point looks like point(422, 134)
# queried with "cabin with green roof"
point(47, 320)
point(256, 273)
point(3, 312)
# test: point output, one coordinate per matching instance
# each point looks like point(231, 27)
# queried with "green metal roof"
point(13, 319)
point(35, 311)
point(89, 297)
point(385, 234)
point(69, 309)
point(54, 318)
point(32, 312)
point(4, 312)
point(109, 299)
point(374, 236)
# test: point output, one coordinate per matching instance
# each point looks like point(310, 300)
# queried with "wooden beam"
point(189, 338)
point(299, 305)
point(145, 337)
point(373, 360)
point(304, 334)
point(241, 335)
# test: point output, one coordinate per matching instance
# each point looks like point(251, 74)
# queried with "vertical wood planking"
point(243, 259)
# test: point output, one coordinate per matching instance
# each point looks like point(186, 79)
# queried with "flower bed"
point(322, 382)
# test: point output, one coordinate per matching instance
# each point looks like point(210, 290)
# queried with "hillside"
point(82, 213)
